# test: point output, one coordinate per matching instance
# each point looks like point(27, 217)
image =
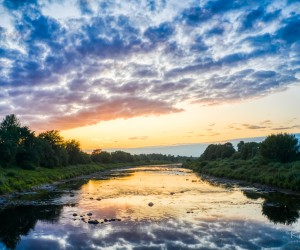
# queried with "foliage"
point(101, 156)
point(120, 156)
point(28, 160)
point(218, 151)
point(268, 162)
point(247, 150)
point(255, 170)
point(280, 147)
point(16, 179)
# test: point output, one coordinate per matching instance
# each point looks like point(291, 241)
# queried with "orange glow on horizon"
point(197, 124)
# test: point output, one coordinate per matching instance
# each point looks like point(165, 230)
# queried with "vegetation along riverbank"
point(27, 159)
point(274, 162)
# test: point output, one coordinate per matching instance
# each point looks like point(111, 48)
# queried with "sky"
point(131, 74)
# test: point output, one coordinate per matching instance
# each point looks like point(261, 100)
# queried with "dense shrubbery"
point(19, 146)
point(275, 161)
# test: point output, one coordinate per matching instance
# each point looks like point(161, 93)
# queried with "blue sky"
point(69, 64)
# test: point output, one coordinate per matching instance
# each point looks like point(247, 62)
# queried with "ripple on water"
point(156, 206)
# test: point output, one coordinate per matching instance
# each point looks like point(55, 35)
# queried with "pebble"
point(150, 204)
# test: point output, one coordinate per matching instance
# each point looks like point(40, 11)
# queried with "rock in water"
point(93, 222)
point(150, 204)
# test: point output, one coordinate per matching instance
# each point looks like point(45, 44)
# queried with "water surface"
point(188, 212)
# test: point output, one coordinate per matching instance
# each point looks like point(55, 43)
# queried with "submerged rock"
point(89, 214)
point(74, 214)
point(150, 204)
point(172, 193)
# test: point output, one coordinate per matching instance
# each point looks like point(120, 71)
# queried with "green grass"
point(17, 179)
point(256, 170)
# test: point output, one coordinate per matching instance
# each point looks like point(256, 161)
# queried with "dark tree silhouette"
point(280, 147)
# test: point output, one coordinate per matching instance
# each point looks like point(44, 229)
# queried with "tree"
point(27, 155)
point(280, 147)
point(121, 156)
point(218, 151)
point(248, 150)
point(240, 145)
point(15, 141)
point(53, 148)
point(101, 156)
point(73, 150)
point(53, 137)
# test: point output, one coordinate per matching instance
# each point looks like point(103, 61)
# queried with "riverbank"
point(17, 179)
point(273, 174)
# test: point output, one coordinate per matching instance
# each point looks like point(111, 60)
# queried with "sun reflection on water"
point(186, 212)
point(175, 193)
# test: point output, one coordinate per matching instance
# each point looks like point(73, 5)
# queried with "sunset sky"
point(118, 74)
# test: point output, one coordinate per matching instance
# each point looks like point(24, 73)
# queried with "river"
point(150, 207)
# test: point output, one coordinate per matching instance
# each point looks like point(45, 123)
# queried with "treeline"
point(277, 147)
point(275, 161)
point(19, 146)
point(120, 156)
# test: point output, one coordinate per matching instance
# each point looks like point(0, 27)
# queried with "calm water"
point(187, 213)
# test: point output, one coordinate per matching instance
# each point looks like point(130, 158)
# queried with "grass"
point(17, 179)
point(256, 170)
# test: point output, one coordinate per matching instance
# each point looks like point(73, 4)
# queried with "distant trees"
point(280, 147)
point(276, 147)
point(101, 156)
point(120, 156)
point(75, 154)
point(218, 151)
point(19, 146)
point(247, 150)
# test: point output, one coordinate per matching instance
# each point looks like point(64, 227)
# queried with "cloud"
point(250, 126)
point(138, 138)
point(266, 124)
point(65, 71)
point(286, 127)
point(109, 109)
